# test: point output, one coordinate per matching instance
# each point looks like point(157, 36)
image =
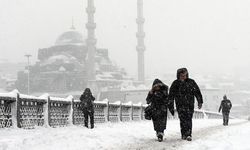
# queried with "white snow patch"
point(60, 99)
point(11, 94)
point(229, 138)
point(112, 136)
point(30, 97)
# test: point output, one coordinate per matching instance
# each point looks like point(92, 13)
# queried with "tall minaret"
point(140, 41)
point(91, 41)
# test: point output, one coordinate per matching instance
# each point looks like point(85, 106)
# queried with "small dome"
point(71, 37)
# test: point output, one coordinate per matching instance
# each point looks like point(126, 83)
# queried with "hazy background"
point(205, 36)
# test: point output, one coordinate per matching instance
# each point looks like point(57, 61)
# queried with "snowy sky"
point(212, 34)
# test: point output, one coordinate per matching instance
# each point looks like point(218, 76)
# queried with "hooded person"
point(183, 91)
point(225, 106)
point(87, 106)
point(158, 100)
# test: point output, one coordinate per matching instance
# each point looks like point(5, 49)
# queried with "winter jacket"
point(87, 101)
point(158, 99)
point(225, 105)
point(184, 93)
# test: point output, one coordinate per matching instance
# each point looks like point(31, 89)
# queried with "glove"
point(199, 105)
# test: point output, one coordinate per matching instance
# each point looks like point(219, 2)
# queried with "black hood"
point(157, 81)
point(181, 70)
point(87, 91)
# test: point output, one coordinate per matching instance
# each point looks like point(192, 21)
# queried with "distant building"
point(62, 67)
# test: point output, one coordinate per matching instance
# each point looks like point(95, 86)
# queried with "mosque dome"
point(71, 37)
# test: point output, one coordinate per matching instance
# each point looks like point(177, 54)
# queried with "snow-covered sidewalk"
point(234, 137)
point(201, 129)
point(129, 135)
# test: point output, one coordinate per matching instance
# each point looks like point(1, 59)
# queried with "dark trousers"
point(87, 115)
point(225, 118)
point(185, 116)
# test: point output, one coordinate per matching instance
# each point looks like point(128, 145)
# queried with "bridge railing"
point(29, 110)
point(25, 111)
point(6, 107)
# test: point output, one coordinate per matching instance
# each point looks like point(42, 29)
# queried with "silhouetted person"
point(158, 99)
point(184, 90)
point(87, 106)
point(226, 106)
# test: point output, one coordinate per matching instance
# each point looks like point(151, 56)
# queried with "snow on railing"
point(30, 111)
point(26, 111)
point(6, 105)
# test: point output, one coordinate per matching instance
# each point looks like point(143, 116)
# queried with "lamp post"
point(28, 84)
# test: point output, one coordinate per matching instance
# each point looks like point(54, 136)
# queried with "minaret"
point(91, 41)
point(140, 41)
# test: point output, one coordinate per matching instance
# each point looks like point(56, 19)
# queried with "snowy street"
point(207, 134)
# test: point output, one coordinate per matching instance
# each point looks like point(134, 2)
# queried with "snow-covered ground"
point(224, 138)
point(208, 134)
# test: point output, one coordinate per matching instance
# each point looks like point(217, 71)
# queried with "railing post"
point(120, 112)
point(142, 112)
point(18, 111)
point(73, 111)
point(195, 115)
point(70, 108)
point(131, 112)
point(15, 111)
point(106, 111)
point(205, 116)
point(46, 110)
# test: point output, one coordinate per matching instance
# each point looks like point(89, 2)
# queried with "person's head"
point(156, 84)
point(87, 91)
point(182, 74)
point(225, 97)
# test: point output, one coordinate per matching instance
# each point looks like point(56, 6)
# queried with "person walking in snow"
point(183, 91)
point(158, 100)
point(87, 106)
point(226, 106)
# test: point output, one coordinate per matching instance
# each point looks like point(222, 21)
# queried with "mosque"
point(74, 62)
point(63, 66)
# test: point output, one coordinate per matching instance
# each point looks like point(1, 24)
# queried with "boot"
point(86, 124)
point(92, 127)
point(160, 136)
point(183, 137)
point(189, 138)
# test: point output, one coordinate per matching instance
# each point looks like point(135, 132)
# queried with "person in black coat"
point(183, 91)
point(87, 106)
point(157, 99)
point(226, 106)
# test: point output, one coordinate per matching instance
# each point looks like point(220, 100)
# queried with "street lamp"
point(28, 57)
